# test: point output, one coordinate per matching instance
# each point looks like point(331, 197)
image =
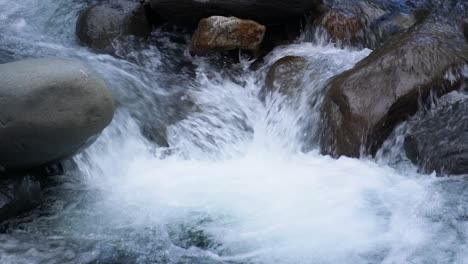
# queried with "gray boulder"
point(101, 24)
point(49, 110)
point(364, 104)
point(438, 141)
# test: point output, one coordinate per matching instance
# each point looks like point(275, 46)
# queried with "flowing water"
point(231, 184)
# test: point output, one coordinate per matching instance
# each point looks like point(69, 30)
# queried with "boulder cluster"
point(51, 109)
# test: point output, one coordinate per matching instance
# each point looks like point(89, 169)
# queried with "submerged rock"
point(366, 23)
point(219, 33)
point(343, 27)
point(100, 24)
point(50, 109)
point(364, 104)
point(264, 11)
point(286, 75)
point(439, 140)
point(18, 195)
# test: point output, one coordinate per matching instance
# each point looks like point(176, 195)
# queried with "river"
point(234, 185)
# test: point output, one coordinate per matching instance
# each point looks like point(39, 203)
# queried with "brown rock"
point(100, 24)
point(465, 27)
point(364, 104)
point(219, 33)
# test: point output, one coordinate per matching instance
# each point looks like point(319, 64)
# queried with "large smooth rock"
point(49, 109)
point(219, 33)
point(263, 11)
point(364, 104)
point(438, 141)
point(101, 24)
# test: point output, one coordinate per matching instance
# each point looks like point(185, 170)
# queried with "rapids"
point(233, 186)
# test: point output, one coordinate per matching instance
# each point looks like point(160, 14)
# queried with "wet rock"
point(18, 195)
point(189, 12)
point(50, 109)
point(286, 75)
point(6, 56)
point(364, 104)
point(278, 35)
point(465, 28)
point(438, 141)
point(366, 23)
point(101, 24)
point(219, 33)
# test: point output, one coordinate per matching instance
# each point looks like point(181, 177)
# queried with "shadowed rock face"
point(219, 33)
point(263, 11)
point(286, 76)
point(100, 24)
point(18, 195)
point(6, 56)
point(465, 28)
point(439, 140)
point(367, 23)
point(364, 104)
point(50, 109)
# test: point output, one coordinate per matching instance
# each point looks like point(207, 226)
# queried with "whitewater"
point(234, 184)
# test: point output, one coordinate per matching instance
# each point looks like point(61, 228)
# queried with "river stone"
point(264, 11)
point(366, 23)
point(364, 104)
point(286, 75)
point(18, 195)
point(219, 33)
point(6, 56)
point(100, 24)
point(49, 109)
point(465, 28)
point(439, 140)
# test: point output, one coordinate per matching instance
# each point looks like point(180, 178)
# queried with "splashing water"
point(233, 185)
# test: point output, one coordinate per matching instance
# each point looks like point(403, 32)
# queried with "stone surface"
point(438, 141)
point(286, 75)
point(364, 104)
point(219, 33)
point(465, 28)
point(49, 109)
point(18, 195)
point(263, 11)
point(101, 24)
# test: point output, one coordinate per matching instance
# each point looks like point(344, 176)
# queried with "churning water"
point(233, 186)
